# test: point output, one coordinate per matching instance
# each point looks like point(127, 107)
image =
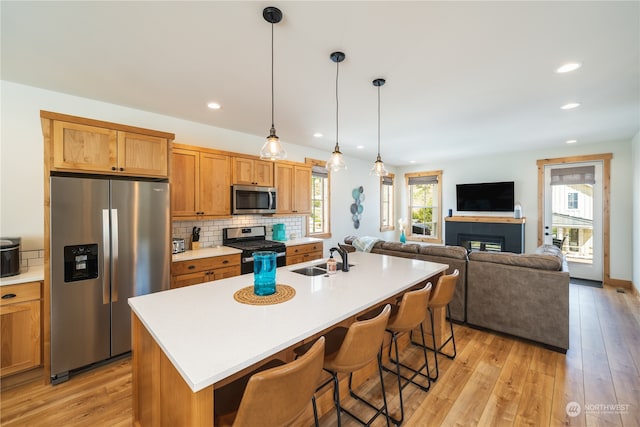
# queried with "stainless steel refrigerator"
point(110, 240)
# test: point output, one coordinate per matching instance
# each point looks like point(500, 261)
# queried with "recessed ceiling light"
point(571, 141)
point(360, 147)
point(570, 106)
point(412, 161)
point(214, 105)
point(317, 135)
point(568, 67)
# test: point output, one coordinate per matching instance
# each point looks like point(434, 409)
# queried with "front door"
point(573, 213)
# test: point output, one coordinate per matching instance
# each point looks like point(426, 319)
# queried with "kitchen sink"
point(338, 265)
point(310, 271)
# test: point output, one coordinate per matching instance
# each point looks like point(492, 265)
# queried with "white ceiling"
point(462, 77)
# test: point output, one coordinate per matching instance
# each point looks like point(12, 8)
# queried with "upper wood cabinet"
point(200, 183)
point(76, 144)
point(293, 182)
point(249, 171)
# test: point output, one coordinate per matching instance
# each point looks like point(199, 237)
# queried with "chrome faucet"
point(343, 255)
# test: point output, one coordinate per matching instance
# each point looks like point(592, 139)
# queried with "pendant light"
point(272, 149)
point(378, 167)
point(336, 162)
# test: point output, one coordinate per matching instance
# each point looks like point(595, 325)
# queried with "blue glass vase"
point(264, 273)
point(403, 238)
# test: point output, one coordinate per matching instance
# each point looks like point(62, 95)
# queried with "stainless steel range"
point(250, 240)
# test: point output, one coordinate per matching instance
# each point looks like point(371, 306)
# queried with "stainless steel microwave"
point(250, 199)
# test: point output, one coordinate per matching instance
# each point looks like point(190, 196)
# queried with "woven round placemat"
point(246, 296)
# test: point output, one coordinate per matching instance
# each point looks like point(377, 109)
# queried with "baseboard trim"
point(618, 283)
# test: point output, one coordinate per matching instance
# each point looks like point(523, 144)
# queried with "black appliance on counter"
point(10, 256)
point(250, 240)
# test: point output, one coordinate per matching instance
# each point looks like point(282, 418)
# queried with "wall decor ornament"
point(357, 207)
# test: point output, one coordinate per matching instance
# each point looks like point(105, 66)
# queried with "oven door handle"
point(278, 255)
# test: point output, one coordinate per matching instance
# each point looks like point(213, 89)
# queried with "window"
point(319, 225)
point(425, 199)
point(572, 202)
point(386, 203)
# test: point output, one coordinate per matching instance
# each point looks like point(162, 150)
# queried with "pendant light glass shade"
point(378, 166)
point(272, 149)
point(336, 161)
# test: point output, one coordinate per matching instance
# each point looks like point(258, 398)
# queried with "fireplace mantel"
point(487, 231)
point(489, 219)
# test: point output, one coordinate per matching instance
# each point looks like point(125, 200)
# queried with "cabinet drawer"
point(181, 280)
point(12, 294)
point(303, 249)
point(224, 272)
point(202, 264)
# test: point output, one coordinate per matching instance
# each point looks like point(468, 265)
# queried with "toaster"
point(178, 245)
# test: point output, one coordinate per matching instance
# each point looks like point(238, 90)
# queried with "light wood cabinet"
point(303, 253)
point(250, 171)
point(85, 148)
point(193, 272)
point(293, 182)
point(200, 184)
point(20, 337)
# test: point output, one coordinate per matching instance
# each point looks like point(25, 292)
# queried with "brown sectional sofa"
point(526, 295)
point(454, 256)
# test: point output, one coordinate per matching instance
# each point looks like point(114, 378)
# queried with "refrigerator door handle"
point(105, 257)
point(114, 254)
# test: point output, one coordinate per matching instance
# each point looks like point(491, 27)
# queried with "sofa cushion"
point(457, 252)
point(541, 262)
point(400, 247)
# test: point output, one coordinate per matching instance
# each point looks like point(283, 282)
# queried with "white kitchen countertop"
point(204, 253)
point(31, 274)
point(302, 241)
point(208, 336)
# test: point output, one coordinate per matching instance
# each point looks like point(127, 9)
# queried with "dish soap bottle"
point(332, 265)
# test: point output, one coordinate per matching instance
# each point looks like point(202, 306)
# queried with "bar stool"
point(441, 297)
point(409, 314)
point(274, 395)
point(348, 350)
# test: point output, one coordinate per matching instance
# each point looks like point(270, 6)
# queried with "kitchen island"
point(188, 341)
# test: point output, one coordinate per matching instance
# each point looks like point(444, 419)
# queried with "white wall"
point(22, 179)
point(21, 159)
point(635, 148)
point(521, 168)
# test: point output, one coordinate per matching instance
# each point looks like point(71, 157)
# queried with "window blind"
point(427, 179)
point(573, 176)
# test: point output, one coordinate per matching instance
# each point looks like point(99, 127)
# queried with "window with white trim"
point(319, 224)
point(425, 199)
point(387, 201)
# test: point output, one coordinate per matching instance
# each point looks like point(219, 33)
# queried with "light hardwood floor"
point(494, 381)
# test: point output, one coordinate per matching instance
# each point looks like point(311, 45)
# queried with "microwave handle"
point(270, 200)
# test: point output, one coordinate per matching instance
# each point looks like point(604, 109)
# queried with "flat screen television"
point(485, 197)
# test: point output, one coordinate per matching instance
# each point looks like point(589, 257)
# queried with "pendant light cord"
point(378, 121)
point(337, 104)
point(272, 92)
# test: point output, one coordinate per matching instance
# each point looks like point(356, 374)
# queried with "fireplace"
point(494, 234)
point(474, 242)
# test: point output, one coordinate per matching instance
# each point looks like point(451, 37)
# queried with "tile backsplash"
point(211, 230)
point(31, 258)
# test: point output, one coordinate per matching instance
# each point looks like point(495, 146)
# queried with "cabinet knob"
point(226, 261)
point(191, 267)
point(8, 296)
point(113, 168)
point(121, 169)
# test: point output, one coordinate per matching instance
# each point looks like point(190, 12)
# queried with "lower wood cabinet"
point(303, 253)
point(20, 322)
point(195, 271)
